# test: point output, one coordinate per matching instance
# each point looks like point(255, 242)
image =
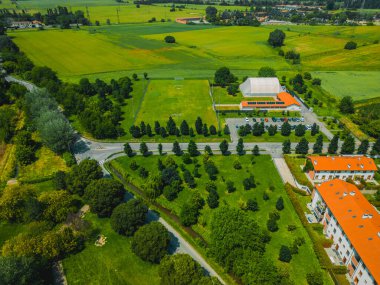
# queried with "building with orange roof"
point(343, 166)
point(354, 226)
point(283, 101)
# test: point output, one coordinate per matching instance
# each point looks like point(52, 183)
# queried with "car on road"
point(246, 119)
point(302, 119)
point(237, 126)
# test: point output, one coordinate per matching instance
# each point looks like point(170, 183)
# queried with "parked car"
point(254, 119)
point(237, 126)
point(302, 119)
point(266, 119)
point(293, 127)
point(262, 119)
point(279, 127)
point(298, 120)
point(274, 119)
point(246, 119)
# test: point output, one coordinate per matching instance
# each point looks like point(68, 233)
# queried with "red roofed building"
point(342, 167)
point(354, 226)
point(283, 101)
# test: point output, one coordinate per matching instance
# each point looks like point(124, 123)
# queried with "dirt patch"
point(101, 241)
point(12, 182)
point(82, 212)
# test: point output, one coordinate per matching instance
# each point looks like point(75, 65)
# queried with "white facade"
point(328, 175)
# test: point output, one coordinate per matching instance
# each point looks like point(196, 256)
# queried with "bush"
point(350, 45)
point(151, 242)
point(285, 254)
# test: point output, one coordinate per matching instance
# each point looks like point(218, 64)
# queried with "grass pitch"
point(180, 99)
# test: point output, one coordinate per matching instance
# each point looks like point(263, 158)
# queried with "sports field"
point(357, 84)
point(180, 99)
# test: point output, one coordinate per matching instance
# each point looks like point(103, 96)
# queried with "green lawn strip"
point(279, 138)
point(294, 163)
point(9, 230)
point(266, 176)
point(252, 114)
point(113, 263)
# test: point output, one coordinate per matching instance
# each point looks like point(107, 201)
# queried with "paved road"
point(284, 171)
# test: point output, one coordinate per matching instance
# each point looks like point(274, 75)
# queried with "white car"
point(302, 119)
point(246, 119)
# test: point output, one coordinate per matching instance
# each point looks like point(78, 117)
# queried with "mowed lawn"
point(266, 176)
point(180, 99)
point(113, 263)
point(357, 84)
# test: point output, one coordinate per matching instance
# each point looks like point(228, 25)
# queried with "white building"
point(261, 86)
point(342, 167)
point(354, 226)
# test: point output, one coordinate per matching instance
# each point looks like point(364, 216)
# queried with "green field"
point(113, 263)
point(180, 99)
point(266, 175)
point(359, 85)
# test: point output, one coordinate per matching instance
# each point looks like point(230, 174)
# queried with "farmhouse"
point(283, 101)
point(189, 20)
point(25, 24)
point(329, 167)
point(354, 226)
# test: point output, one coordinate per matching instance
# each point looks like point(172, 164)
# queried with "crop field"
point(266, 175)
point(357, 84)
point(180, 99)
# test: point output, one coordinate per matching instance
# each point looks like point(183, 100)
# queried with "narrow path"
point(284, 171)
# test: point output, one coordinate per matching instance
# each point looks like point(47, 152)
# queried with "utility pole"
point(117, 13)
point(88, 13)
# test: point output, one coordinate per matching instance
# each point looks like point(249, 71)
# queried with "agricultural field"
point(360, 85)
point(113, 263)
point(180, 99)
point(266, 177)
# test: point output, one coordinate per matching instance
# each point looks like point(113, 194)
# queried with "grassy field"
point(47, 163)
point(351, 83)
point(113, 263)
point(266, 176)
point(180, 99)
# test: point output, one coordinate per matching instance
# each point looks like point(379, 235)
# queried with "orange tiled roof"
point(341, 163)
point(348, 206)
point(284, 97)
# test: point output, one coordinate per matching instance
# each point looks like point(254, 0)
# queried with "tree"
point(286, 147)
point(302, 147)
point(316, 81)
point(198, 125)
point(208, 150)
point(276, 38)
point(237, 164)
point(127, 217)
point(314, 129)
point(189, 215)
point(160, 148)
point(346, 105)
point(205, 130)
point(19, 204)
point(213, 199)
point(272, 130)
point(128, 150)
point(189, 179)
point(363, 147)
point(151, 242)
point(82, 175)
point(169, 39)
point(314, 278)
point(300, 130)
point(272, 225)
point(179, 269)
point(256, 150)
point(223, 77)
point(267, 72)
point(286, 129)
point(224, 147)
point(348, 146)
point(280, 204)
point(252, 205)
point(285, 254)
point(240, 147)
point(350, 45)
point(192, 148)
point(230, 186)
point(233, 88)
point(149, 130)
point(317, 148)
point(307, 76)
point(23, 270)
point(146, 76)
point(176, 149)
point(213, 130)
point(144, 149)
point(211, 13)
point(376, 147)
point(226, 130)
point(333, 146)
point(57, 205)
point(184, 128)
point(8, 121)
point(104, 195)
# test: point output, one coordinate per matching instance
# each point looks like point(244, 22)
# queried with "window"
point(347, 252)
point(340, 240)
point(334, 231)
point(360, 273)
